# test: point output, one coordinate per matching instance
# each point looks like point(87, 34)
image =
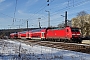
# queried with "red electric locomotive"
point(65, 34)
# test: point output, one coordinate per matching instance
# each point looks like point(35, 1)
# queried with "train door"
point(42, 35)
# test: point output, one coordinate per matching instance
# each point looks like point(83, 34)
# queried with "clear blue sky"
point(22, 10)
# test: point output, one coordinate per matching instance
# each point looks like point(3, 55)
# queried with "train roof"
point(36, 30)
point(13, 33)
point(63, 27)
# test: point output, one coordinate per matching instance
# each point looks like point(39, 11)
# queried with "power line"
point(75, 5)
point(45, 6)
point(38, 10)
point(70, 6)
point(42, 8)
point(6, 15)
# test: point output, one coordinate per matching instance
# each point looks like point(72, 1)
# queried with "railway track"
point(85, 48)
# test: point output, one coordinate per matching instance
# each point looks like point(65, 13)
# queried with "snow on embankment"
point(36, 52)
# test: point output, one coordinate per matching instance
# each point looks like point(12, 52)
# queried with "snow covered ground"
point(14, 50)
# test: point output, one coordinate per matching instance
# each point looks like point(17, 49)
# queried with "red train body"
point(13, 35)
point(38, 34)
point(24, 35)
point(65, 34)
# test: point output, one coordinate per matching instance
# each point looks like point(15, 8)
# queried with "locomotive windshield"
point(75, 29)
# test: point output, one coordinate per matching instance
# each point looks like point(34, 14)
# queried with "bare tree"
point(75, 22)
point(82, 13)
point(82, 21)
point(87, 26)
point(81, 16)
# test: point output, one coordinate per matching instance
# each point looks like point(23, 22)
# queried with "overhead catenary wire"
point(45, 6)
point(74, 5)
point(52, 1)
point(14, 18)
point(71, 6)
point(21, 18)
point(42, 8)
point(56, 12)
point(6, 15)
